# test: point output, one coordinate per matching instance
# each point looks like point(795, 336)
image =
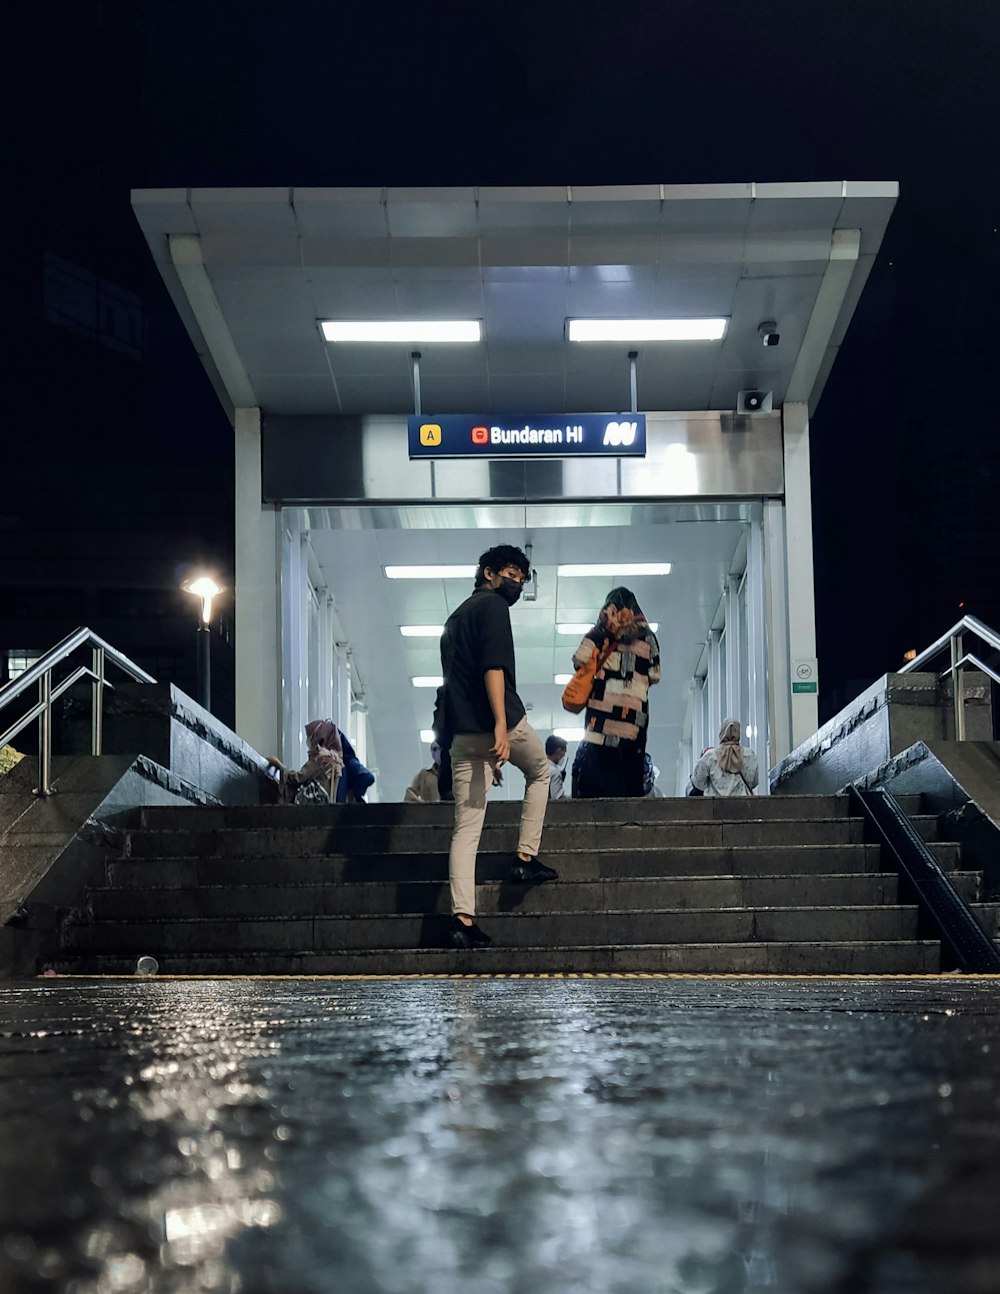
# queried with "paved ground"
point(640, 1135)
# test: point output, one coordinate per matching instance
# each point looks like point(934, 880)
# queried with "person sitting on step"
point(331, 774)
point(729, 769)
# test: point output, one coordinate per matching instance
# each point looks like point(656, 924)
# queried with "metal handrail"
point(969, 623)
point(964, 942)
point(102, 655)
point(953, 640)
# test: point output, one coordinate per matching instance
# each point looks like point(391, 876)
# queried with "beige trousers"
point(472, 776)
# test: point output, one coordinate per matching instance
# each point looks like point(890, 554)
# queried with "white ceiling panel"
point(225, 210)
point(257, 249)
point(284, 357)
point(297, 394)
point(380, 392)
point(524, 392)
point(335, 297)
point(343, 213)
point(348, 256)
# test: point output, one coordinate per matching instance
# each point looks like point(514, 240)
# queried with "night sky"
point(101, 97)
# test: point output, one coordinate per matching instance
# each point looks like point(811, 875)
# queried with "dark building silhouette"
point(116, 466)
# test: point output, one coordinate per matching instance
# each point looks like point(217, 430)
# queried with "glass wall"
point(731, 677)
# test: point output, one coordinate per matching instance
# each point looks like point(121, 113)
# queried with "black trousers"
point(608, 772)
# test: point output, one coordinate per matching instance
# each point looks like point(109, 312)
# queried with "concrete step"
point(240, 843)
point(513, 930)
point(763, 885)
point(235, 842)
point(988, 915)
point(374, 898)
point(839, 957)
point(505, 812)
point(775, 860)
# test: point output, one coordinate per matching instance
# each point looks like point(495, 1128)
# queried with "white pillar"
point(258, 699)
point(779, 700)
point(803, 673)
point(735, 665)
point(325, 652)
point(294, 642)
point(716, 683)
point(758, 710)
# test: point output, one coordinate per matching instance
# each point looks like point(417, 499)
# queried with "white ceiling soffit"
point(252, 271)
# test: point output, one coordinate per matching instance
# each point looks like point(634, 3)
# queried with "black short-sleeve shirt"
point(477, 638)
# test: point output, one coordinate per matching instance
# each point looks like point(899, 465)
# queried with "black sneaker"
point(462, 936)
point(533, 873)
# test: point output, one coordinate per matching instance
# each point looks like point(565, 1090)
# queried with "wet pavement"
point(641, 1135)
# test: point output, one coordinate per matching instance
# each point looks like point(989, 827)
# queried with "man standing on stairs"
point(484, 719)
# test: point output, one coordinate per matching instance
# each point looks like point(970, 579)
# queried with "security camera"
point(768, 333)
point(754, 401)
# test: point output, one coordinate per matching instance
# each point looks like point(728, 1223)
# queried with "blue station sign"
point(566, 435)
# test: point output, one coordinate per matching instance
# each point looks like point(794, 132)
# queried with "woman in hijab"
point(730, 769)
point(610, 759)
point(332, 773)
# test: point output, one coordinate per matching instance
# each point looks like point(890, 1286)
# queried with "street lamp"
point(204, 587)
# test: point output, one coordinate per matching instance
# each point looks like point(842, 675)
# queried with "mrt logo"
point(480, 435)
point(430, 434)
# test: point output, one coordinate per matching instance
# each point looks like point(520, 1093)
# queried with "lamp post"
point(206, 588)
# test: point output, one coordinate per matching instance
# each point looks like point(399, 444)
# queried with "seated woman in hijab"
point(332, 773)
point(610, 759)
point(728, 769)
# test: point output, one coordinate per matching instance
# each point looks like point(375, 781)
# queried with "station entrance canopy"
point(252, 271)
point(322, 426)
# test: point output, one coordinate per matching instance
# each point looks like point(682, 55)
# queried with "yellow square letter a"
point(430, 433)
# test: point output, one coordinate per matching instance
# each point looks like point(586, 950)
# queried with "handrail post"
point(97, 703)
point(45, 734)
point(957, 690)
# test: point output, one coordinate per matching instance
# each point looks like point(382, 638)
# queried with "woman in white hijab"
point(731, 768)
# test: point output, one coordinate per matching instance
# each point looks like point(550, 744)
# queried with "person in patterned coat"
point(610, 759)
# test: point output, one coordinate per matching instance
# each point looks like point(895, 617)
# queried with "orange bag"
point(577, 691)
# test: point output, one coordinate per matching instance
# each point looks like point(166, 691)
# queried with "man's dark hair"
point(499, 557)
point(554, 743)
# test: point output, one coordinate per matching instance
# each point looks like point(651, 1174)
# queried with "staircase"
point(769, 885)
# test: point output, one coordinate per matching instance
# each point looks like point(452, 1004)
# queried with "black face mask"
point(509, 590)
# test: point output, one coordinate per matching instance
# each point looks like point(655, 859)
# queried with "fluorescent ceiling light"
point(402, 330)
point(561, 679)
point(430, 572)
point(427, 735)
point(647, 329)
point(578, 631)
point(427, 680)
point(568, 734)
point(616, 568)
point(421, 631)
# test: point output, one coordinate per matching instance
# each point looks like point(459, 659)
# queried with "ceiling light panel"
point(427, 680)
point(430, 572)
point(421, 631)
point(614, 568)
point(403, 330)
point(638, 330)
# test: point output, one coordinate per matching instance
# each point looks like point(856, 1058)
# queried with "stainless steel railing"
point(954, 642)
point(40, 674)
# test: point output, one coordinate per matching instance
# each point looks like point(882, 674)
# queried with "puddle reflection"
point(666, 1137)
